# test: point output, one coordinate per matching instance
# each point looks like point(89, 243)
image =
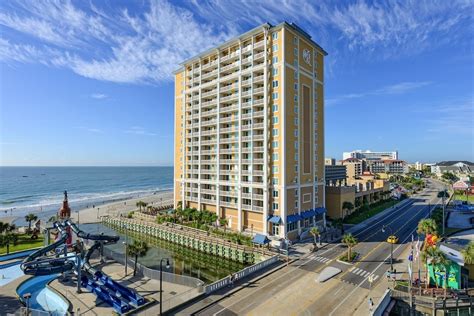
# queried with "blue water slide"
point(33, 265)
point(105, 295)
point(132, 296)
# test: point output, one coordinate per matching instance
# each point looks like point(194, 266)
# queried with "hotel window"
point(295, 51)
point(295, 63)
point(275, 120)
point(275, 95)
point(274, 180)
point(296, 74)
point(296, 109)
point(275, 193)
point(296, 121)
point(275, 83)
point(295, 98)
point(275, 169)
point(295, 40)
point(274, 71)
point(296, 86)
point(275, 206)
point(296, 203)
point(291, 226)
point(296, 145)
point(296, 156)
point(275, 157)
point(275, 47)
point(296, 192)
point(275, 59)
point(275, 132)
point(275, 144)
point(275, 229)
point(275, 107)
point(296, 168)
point(296, 133)
point(275, 35)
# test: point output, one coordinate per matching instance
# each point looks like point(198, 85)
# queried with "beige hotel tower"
point(249, 132)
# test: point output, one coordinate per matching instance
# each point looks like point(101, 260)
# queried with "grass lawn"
point(357, 217)
point(463, 197)
point(24, 243)
point(344, 257)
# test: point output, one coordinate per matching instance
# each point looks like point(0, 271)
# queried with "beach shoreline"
point(115, 208)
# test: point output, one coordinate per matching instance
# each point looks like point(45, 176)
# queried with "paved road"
point(293, 290)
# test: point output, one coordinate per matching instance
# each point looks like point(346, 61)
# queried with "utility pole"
point(444, 208)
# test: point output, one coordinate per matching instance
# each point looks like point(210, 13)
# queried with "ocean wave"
point(85, 198)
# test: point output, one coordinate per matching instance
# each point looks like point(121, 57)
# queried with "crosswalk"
point(362, 273)
point(318, 258)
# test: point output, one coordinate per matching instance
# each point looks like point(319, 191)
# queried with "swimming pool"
point(10, 272)
point(42, 297)
point(16, 255)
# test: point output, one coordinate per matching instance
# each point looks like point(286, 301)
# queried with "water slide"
point(132, 296)
point(34, 265)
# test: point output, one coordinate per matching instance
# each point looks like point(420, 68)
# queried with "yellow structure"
point(249, 131)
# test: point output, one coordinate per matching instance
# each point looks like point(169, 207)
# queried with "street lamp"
point(27, 297)
point(384, 228)
point(161, 281)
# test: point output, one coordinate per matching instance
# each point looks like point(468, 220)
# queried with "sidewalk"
point(377, 292)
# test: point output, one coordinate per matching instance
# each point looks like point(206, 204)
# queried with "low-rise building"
point(354, 168)
point(370, 155)
point(459, 168)
point(389, 166)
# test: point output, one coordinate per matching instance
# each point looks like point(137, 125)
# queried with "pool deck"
point(9, 302)
point(89, 304)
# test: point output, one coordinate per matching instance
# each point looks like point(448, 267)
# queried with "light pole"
point(161, 282)
point(384, 228)
point(126, 248)
point(27, 297)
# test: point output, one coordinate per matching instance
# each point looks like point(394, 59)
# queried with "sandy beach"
point(92, 215)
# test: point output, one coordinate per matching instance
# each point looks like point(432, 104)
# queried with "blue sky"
point(90, 82)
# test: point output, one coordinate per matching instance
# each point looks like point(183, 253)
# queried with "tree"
point(141, 204)
point(348, 206)
point(443, 193)
point(315, 232)
point(4, 227)
point(8, 239)
point(427, 226)
point(137, 249)
point(30, 218)
point(224, 222)
point(468, 253)
point(350, 241)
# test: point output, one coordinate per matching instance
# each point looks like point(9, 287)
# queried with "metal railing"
point(239, 275)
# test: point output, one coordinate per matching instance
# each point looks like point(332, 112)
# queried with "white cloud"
point(398, 88)
point(98, 96)
point(90, 129)
point(454, 117)
point(145, 45)
point(138, 130)
point(111, 45)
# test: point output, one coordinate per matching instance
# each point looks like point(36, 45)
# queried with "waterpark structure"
point(63, 256)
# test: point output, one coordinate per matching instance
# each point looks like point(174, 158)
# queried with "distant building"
point(354, 168)
point(459, 168)
point(371, 155)
point(329, 161)
point(335, 175)
point(387, 166)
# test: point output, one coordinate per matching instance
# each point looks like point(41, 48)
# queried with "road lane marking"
point(376, 268)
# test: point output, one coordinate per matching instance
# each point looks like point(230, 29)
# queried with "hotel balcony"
point(208, 65)
point(209, 122)
point(209, 132)
point(258, 44)
point(209, 93)
point(209, 74)
point(229, 97)
point(230, 67)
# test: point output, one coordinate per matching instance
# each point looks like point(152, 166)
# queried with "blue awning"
point(292, 218)
point(320, 210)
point(260, 239)
point(275, 220)
point(308, 214)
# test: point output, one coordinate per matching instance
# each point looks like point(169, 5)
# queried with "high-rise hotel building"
point(249, 131)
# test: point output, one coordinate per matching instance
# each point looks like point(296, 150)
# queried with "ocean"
point(40, 190)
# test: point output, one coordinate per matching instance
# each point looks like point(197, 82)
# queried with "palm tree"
point(141, 204)
point(348, 206)
point(427, 226)
point(315, 232)
point(350, 241)
point(224, 222)
point(29, 218)
point(137, 249)
point(4, 227)
point(8, 239)
point(468, 253)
